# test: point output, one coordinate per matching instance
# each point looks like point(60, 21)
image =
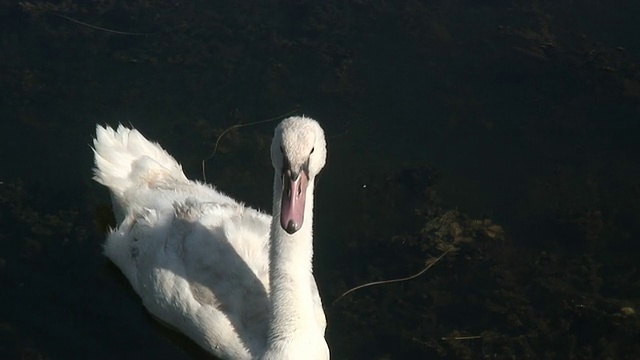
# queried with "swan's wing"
point(201, 267)
point(196, 257)
point(233, 270)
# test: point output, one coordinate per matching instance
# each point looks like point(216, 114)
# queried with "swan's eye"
point(312, 150)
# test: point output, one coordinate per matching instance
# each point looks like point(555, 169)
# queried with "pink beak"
point(294, 193)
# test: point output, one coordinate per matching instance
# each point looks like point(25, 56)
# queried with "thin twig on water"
point(236, 126)
point(429, 265)
point(100, 28)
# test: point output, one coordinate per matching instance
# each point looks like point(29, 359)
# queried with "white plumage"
point(236, 281)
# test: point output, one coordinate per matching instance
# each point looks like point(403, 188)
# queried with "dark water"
point(529, 114)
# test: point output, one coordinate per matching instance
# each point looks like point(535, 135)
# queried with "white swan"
point(236, 281)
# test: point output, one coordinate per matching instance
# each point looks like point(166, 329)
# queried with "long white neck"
point(290, 256)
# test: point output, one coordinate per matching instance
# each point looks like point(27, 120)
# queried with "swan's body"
point(236, 281)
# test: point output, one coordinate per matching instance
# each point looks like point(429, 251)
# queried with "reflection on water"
point(445, 122)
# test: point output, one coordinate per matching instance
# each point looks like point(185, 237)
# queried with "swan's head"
point(298, 153)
